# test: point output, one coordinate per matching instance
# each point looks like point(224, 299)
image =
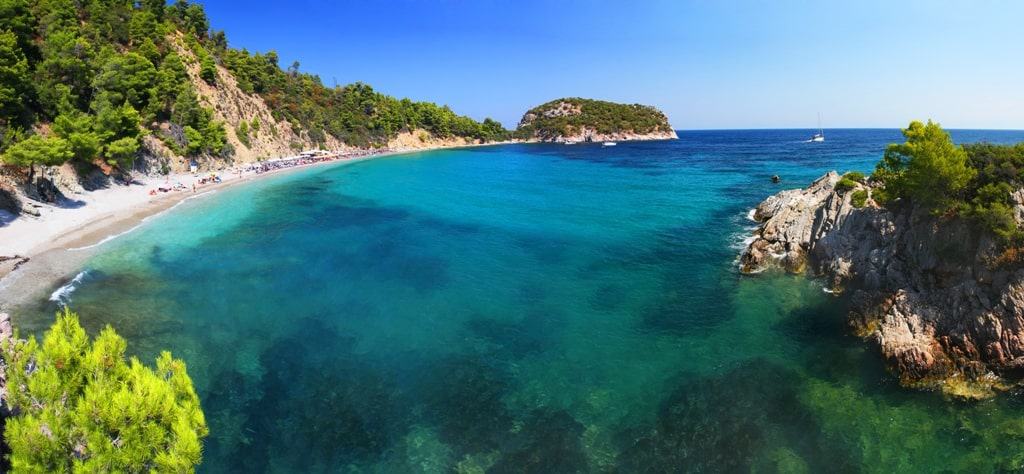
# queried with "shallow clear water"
point(542, 308)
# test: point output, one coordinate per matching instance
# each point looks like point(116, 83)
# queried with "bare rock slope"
point(932, 292)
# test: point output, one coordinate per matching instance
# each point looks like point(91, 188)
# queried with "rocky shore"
point(943, 301)
point(593, 136)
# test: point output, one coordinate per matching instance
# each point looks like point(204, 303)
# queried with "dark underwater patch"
point(829, 349)
point(547, 441)
point(545, 249)
point(530, 335)
point(448, 227)
point(737, 422)
point(607, 298)
point(345, 216)
point(319, 406)
point(462, 396)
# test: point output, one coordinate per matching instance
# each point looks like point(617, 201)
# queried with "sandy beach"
point(61, 239)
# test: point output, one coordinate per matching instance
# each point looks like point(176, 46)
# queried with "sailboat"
point(820, 136)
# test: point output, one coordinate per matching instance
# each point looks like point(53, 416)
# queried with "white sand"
point(27, 235)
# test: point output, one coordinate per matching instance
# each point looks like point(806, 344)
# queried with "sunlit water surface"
point(540, 308)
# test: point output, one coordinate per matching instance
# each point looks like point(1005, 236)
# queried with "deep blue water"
point(537, 308)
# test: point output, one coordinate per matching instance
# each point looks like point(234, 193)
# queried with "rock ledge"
point(929, 291)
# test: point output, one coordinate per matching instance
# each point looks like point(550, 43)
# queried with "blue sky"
point(707, 64)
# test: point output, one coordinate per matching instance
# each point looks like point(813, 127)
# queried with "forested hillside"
point(586, 119)
point(103, 83)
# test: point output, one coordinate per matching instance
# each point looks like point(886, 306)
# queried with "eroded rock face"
point(790, 223)
point(930, 291)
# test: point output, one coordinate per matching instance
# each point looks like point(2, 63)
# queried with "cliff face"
point(585, 120)
point(232, 106)
point(932, 292)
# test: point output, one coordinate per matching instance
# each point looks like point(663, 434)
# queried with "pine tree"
point(81, 407)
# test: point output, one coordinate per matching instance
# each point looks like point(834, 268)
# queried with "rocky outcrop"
point(587, 134)
point(576, 120)
point(423, 140)
point(935, 294)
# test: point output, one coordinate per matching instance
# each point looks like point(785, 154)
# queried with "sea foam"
point(62, 295)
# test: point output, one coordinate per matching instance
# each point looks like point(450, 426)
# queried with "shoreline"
point(58, 252)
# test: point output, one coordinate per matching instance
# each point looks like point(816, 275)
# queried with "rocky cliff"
point(232, 106)
point(586, 120)
point(938, 297)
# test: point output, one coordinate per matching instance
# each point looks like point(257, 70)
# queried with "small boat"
point(608, 144)
point(570, 143)
point(820, 136)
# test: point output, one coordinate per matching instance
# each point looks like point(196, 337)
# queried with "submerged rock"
point(930, 291)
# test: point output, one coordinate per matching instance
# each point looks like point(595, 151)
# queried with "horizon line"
point(840, 128)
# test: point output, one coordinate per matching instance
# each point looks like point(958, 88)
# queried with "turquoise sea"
point(526, 308)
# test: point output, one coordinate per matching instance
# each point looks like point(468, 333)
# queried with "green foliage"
point(112, 61)
point(79, 130)
point(15, 81)
point(127, 78)
point(193, 140)
point(56, 15)
point(571, 115)
point(16, 17)
point(191, 18)
point(148, 49)
point(242, 132)
point(36, 150)
point(144, 26)
point(67, 65)
point(355, 114)
point(208, 70)
point(859, 198)
point(115, 122)
point(928, 168)
point(187, 110)
point(976, 179)
point(1000, 171)
point(855, 176)
point(845, 184)
point(171, 82)
point(215, 138)
point(121, 152)
point(82, 407)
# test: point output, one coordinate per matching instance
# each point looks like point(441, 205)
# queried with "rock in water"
point(788, 226)
point(574, 120)
point(932, 292)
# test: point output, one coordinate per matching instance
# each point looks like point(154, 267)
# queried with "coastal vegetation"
point(355, 114)
point(573, 116)
point(81, 407)
point(87, 81)
point(859, 198)
point(849, 181)
point(974, 181)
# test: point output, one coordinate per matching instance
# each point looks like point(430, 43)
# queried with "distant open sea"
point(537, 308)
